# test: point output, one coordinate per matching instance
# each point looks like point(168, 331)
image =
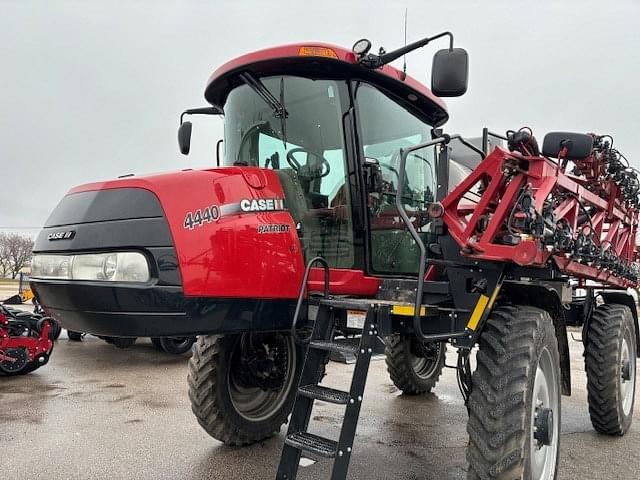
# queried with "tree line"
point(15, 253)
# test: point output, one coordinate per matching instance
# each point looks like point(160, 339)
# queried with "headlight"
point(114, 267)
point(51, 266)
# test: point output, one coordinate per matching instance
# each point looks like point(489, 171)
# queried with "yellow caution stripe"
point(477, 312)
point(481, 306)
point(407, 310)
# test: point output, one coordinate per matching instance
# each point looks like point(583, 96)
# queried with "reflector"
point(317, 52)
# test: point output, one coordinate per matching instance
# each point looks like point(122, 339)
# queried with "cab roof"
point(321, 60)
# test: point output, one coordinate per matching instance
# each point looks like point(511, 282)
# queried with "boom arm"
point(525, 209)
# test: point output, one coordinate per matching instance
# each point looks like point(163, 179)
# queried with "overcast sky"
point(92, 89)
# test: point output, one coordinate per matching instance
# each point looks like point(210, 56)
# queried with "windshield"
point(305, 145)
point(312, 120)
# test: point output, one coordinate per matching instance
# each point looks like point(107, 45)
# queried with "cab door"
point(385, 127)
point(307, 150)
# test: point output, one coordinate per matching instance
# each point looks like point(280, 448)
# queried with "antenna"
point(404, 58)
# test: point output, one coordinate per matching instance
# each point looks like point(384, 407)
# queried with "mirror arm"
point(376, 61)
point(201, 111)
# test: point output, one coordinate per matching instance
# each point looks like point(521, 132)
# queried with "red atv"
point(25, 341)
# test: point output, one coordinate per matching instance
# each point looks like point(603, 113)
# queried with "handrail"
point(404, 153)
point(303, 288)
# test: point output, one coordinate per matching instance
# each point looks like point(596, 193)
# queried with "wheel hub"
point(261, 375)
point(265, 366)
point(543, 426)
point(425, 360)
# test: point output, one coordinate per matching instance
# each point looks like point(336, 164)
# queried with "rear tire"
point(156, 343)
point(74, 336)
point(414, 372)
point(512, 435)
point(228, 400)
point(177, 345)
point(610, 362)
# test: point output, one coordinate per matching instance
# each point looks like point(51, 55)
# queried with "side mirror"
point(577, 145)
point(372, 175)
point(450, 72)
point(184, 137)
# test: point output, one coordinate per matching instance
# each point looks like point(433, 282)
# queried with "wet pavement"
point(99, 412)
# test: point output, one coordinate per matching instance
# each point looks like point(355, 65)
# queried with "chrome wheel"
point(545, 428)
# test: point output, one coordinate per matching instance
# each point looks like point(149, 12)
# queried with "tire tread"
point(498, 404)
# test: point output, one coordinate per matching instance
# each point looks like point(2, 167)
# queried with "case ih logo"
point(261, 205)
point(62, 235)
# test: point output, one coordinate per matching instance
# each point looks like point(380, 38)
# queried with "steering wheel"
point(312, 172)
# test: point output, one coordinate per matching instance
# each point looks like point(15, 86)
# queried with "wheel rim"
point(627, 376)
point(545, 396)
point(426, 367)
point(252, 402)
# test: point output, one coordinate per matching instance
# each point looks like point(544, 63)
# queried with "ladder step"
point(343, 348)
point(312, 443)
point(326, 394)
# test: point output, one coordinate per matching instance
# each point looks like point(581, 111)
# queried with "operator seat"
point(298, 206)
point(311, 211)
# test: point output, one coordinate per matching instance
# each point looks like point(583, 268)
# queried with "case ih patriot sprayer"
point(335, 161)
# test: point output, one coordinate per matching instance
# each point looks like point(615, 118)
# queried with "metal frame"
point(503, 175)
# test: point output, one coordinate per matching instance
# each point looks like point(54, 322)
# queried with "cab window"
point(386, 128)
point(306, 148)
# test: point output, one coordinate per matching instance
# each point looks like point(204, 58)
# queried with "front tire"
point(156, 343)
point(514, 406)
point(242, 386)
point(177, 345)
point(610, 362)
point(414, 368)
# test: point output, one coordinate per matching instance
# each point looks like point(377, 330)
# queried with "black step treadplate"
point(344, 348)
point(313, 444)
point(325, 394)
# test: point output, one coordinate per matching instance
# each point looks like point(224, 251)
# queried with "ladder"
point(320, 345)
